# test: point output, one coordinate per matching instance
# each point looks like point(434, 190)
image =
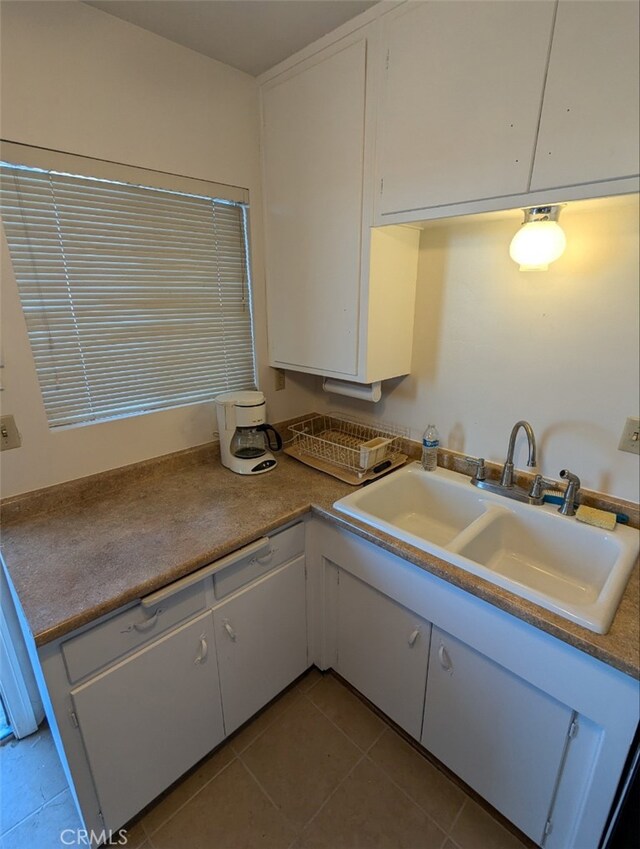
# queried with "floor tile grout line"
point(410, 798)
point(340, 730)
point(457, 817)
point(378, 738)
point(31, 813)
point(315, 683)
point(268, 795)
point(34, 812)
point(300, 695)
point(332, 794)
point(237, 755)
point(38, 808)
point(149, 834)
point(387, 726)
point(453, 842)
point(149, 840)
point(424, 810)
point(344, 733)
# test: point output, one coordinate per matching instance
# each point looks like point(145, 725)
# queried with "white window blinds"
point(135, 298)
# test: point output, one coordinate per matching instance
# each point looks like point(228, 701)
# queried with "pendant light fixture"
point(540, 240)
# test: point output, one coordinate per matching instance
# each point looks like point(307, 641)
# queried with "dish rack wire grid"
point(341, 440)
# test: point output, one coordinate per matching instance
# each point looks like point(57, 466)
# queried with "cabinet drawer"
point(283, 547)
point(126, 631)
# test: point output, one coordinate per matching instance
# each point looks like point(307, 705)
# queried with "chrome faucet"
point(540, 485)
point(507, 472)
point(506, 486)
point(568, 507)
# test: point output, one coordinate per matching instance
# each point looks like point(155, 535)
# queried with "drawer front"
point(283, 547)
point(126, 631)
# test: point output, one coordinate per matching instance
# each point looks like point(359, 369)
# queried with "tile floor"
point(316, 770)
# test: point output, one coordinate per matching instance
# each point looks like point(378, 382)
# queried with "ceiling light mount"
point(540, 240)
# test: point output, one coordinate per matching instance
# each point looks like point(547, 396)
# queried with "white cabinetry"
point(538, 728)
point(261, 637)
point(383, 650)
point(589, 126)
point(494, 730)
point(494, 105)
point(148, 719)
point(135, 699)
point(340, 301)
point(460, 101)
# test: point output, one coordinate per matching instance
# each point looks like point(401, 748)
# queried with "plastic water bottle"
point(430, 443)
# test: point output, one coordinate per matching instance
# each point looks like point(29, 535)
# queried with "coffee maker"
point(244, 434)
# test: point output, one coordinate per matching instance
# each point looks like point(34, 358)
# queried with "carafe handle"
point(278, 439)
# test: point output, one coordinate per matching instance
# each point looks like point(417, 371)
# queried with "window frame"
point(58, 162)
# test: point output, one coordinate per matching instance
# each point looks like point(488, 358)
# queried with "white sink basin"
point(422, 506)
point(573, 569)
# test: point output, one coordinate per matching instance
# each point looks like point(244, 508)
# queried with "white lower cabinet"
point(137, 698)
point(538, 728)
point(505, 738)
point(148, 719)
point(261, 637)
point(383, 650)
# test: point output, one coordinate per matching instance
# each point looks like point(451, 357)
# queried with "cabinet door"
point(147, 720)
point(502, 736)
point(589, 126)
point(383, 650)
point(261, 635)
point(461, 101)
point(313, 130)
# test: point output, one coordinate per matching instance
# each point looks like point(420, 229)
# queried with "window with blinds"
point(136, 298)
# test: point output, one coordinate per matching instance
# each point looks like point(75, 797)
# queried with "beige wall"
point(76, 79)
point(558, 348)
point(492, 344)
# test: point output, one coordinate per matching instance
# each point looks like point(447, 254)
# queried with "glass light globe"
point(536, 244)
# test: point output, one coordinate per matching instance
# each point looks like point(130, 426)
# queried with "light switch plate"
point(9, 435)
point(630, 439)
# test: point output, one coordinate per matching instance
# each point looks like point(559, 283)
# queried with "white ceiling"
point(252, 35)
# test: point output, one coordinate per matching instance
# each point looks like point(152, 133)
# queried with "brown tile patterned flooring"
point(317, 769)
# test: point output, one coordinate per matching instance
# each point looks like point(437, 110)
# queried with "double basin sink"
point(576, 570)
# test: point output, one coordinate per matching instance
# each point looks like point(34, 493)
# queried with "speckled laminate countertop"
point(86, 548)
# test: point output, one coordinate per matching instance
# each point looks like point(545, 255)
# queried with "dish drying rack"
point(348, 449)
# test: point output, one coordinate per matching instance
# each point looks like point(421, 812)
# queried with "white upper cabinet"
point(430, 109)
point(340, 300)
point(460, 101)
point(313, 124)
point(589, 126)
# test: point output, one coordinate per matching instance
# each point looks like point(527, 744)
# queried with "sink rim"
point(596, 615)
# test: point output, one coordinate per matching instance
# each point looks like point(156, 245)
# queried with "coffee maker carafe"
point(245, 437)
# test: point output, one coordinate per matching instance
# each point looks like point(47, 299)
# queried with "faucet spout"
point(507, 472)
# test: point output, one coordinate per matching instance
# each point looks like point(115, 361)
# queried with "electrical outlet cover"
point(630, 439)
